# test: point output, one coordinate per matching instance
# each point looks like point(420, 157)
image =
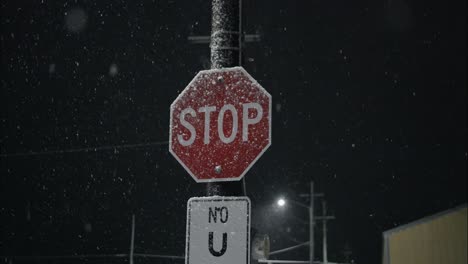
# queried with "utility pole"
point(226, 34)
point(226, 51)
point(312, 218)
point(324, 217)
point(132, 241)
point(311, 224)
point(324, 225)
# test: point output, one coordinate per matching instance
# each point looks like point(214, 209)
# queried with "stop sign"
point(220, 125)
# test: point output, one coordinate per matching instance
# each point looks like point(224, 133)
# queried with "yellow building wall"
point(442, 240)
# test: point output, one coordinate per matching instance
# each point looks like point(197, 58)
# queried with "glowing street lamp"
point(281, 202)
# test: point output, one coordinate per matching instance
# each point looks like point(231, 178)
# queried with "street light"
point(281, 202)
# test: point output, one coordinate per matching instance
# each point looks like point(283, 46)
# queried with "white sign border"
point(216, 199)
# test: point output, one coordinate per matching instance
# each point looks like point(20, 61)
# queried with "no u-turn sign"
point(218, 230)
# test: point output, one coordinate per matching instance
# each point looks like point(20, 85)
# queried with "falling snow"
point(370, 107)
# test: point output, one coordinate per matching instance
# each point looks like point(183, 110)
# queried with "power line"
point(87, 149)
point(158, 256)
point(88, 256)
point(92, 256)
point(289, 248)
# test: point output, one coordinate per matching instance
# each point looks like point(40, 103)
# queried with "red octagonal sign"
point(220, 125)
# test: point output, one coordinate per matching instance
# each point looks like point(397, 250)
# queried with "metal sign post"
point(219, 126)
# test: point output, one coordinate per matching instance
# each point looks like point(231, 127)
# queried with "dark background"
point(369, 102)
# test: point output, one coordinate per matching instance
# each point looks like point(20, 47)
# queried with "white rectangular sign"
point(218, 230)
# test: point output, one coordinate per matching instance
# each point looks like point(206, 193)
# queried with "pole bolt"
point(218, 169)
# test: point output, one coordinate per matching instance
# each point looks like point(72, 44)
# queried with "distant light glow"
point(281, 202)
point(51, 68)
point(113, 70)
point(76, 20)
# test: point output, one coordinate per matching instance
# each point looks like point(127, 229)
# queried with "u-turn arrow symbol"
point(210, 245)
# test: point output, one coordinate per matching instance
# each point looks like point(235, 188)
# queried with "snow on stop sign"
point(220, 125)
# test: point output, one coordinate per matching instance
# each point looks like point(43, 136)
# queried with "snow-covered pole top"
point(226, 52)
point(226, 33)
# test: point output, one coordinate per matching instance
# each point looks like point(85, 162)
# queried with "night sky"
point(369, 102)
